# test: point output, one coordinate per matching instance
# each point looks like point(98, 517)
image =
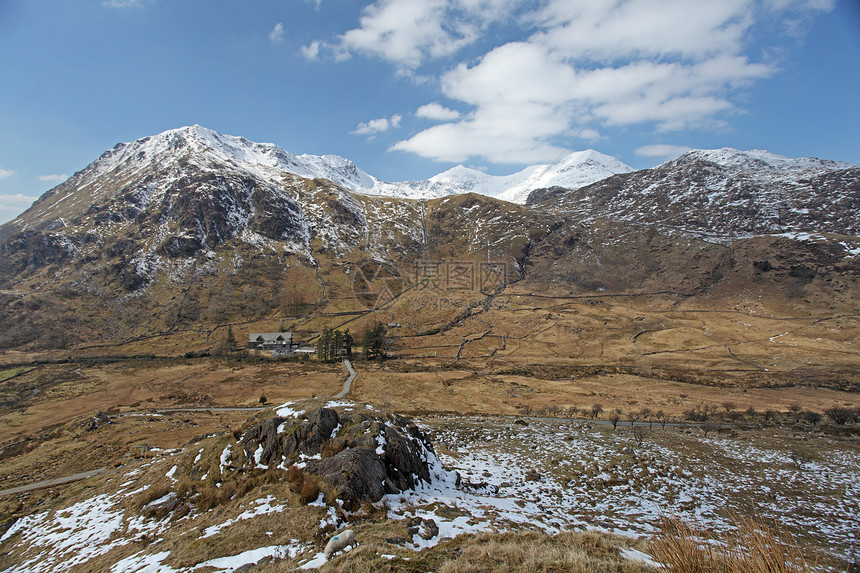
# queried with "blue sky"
point(409, 88)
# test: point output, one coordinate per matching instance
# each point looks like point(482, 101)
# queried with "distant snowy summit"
point(267, 159)
point(757, 161)
point(574, 171)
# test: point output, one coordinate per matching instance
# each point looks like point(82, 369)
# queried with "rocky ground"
point(272, 492)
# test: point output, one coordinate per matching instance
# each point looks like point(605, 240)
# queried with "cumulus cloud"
point(437, 112)
point(525, 96)
point(4, 173)
point(12, 204)
point(406, 31)
point(589, 134)
point(53, 178)
point(662, 150)
point(605, 30)
point(380, 125)
point(576, 67)
point(15, 200)
point(411, 32)
point(276, 35)
point(311, 51)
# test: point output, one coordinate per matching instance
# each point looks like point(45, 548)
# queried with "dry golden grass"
point(520, 552)
point(729, 341)
point(754, 547)
point(420, 388)
point(72, 391)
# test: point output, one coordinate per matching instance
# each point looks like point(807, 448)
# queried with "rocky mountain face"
point(723, 194)
point(192, 227)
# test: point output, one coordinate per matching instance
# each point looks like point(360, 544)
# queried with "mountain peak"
point(756, 160)
point(458, 173)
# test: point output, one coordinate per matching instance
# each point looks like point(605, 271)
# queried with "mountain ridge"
point(269, 161)
point(192, 227)
point(574, 171)
point(723, 194)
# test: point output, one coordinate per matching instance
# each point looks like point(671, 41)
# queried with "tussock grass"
point(536, 552)
point(753, 547)
point(520, 552)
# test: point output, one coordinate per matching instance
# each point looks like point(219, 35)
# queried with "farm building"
point(279, 343)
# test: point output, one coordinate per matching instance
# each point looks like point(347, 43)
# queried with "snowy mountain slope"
point(203, 147)
point(724, 193)
point(575, 170)
point(758, 161)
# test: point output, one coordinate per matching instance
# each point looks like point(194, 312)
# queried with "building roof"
point(263, 337)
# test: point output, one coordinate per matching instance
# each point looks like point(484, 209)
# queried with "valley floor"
point(517, 473)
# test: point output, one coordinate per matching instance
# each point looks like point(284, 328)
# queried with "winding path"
point(53, 482)
point(347, 386)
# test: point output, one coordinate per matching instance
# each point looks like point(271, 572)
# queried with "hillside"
point(194, 231)
point(723, 194)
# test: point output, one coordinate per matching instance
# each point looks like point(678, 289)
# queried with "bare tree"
point(839, 414)
point(640, 433)
point(812, 417)
point(632, 417)
point(645, 414)
point(661, 415)
point(596, 410)
point(614, 417)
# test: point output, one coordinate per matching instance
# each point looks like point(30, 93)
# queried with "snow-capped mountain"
point(573, 171)
point(719, 192)
point(758, 161)
point(197, 144)
point(192, 223)
point(724, 193)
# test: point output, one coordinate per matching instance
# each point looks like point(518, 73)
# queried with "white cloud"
point(4, 173)
point(576, 67)
point(13, 204)
point(53, 178)
point(410, 32)
point(589, 134)
point(662, 150)
point(276, 35)
point(312, 50)
point(562, 97)
point(15, 200)
point(375, 126)
point(606, 30)
point(437, 112)
point(407, 31)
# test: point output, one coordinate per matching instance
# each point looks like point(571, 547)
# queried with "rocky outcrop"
point(94, 422)
point(356, 456)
